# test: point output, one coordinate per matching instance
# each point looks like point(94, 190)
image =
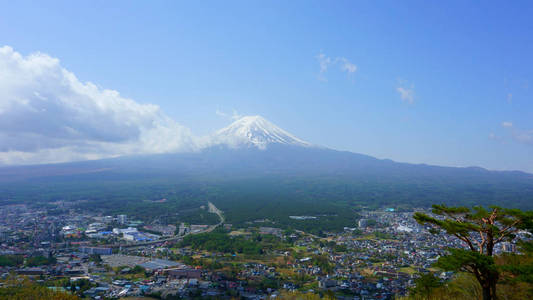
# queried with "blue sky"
point(447, 83)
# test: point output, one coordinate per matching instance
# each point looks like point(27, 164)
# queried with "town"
point(98, 256)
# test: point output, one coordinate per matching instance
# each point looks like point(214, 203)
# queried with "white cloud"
point(407, 93)
point(234, 115)
point(325, 62)
point(346, 65)
point(517, 134)
point(221, 113)
point(495, 137)
point(48, 115)
point(525, 136)
point(509, 97)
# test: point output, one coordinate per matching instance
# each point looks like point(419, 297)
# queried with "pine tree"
point(481, 230)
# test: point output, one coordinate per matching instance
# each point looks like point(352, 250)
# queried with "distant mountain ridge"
point(275, 149)
point(253, 152)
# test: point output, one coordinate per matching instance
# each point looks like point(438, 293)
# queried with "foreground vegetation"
point(25, 290)
point(482, 274)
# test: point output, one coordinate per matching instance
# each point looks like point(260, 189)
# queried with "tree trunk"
point(493, 290)
point(487, 295)
point(489, 291)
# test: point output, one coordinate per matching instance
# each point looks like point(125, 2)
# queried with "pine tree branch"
point(504, 232)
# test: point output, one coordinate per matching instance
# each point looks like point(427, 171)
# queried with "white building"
point(122, 219)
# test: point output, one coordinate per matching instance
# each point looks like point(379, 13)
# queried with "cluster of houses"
point(377, 258)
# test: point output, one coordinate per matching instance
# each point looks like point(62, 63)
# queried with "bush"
point(40, 261)
point(11, 260)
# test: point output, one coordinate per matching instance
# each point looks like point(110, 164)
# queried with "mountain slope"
point(255, 161)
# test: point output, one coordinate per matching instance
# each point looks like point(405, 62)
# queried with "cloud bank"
point(47, 115)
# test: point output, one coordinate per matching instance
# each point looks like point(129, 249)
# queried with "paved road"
point(212, 209)
point(215, 210)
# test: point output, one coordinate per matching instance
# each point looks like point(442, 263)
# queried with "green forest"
point(334, 199)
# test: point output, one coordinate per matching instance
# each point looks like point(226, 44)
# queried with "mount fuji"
point(253, 158)
point(255, 131)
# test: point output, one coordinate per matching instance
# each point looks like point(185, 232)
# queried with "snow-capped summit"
point(255, 131)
